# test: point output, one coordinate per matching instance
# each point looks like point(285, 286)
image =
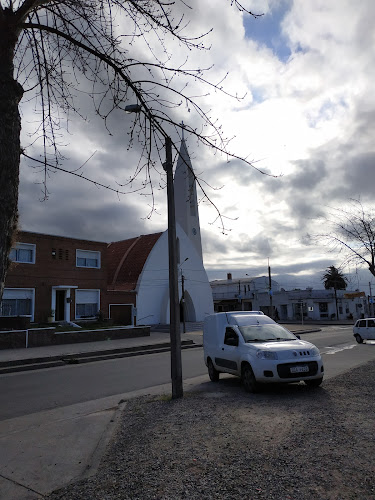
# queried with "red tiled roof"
point(126, 260)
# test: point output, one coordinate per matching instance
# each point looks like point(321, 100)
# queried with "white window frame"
point(97, 290)
point(23, 246)
point(86, 254)
point(28, 290)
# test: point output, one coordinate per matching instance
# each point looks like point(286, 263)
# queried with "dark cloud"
point(215, 243)
point(232, 172)
point(79, 209)
point(260, 244)
point(359, 175)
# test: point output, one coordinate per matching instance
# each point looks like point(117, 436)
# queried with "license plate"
point(299, 369)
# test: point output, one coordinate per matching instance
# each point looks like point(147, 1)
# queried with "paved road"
point(29, 392)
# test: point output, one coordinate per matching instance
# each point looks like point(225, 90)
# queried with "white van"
point(257, 349)
point(364, 329)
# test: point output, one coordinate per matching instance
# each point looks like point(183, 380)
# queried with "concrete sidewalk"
point(44, 451)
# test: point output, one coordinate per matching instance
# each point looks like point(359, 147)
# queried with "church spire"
point(186, 202)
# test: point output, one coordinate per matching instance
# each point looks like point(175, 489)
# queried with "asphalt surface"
point(44, 451)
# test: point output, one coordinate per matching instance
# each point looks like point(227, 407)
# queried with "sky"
point(306, 71)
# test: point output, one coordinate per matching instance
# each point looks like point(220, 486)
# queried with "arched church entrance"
point(187, 309)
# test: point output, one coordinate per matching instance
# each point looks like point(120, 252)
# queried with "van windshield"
point(267, 332)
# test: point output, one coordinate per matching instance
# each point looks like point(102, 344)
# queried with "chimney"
point(229, 276)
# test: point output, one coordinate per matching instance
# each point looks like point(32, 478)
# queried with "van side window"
point(231, 337)
point(370, 323)
point(362, 323)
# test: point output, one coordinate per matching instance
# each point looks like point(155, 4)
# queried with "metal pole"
point(183, 300)
point(174, 305)
point(337, 308)
point(371, 305)
point(270, 288)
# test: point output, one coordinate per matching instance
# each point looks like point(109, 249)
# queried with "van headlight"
point(267, 355)
point(314, 351)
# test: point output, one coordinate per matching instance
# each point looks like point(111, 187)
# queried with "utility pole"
point(183, 300)
point(371, 305)
point(337, 309)
point(174, 305)
point(270, 288)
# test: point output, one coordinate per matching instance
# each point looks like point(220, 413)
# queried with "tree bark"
point(10, 128)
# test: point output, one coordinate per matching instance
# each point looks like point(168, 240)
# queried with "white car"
point(364, 329)
point(257, 349)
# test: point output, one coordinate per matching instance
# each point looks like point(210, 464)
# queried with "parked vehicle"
point(364, 329)
point(257, 349)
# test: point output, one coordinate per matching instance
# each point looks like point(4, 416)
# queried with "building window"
point(17, 302)
point(15, 307)
point(87, 258)
point(323, 309)
point(23, 252)
point(87, 303)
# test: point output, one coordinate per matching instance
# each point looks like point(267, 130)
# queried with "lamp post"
point(174, 305)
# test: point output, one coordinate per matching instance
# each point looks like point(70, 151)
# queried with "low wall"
point(15, 322)
point(37, 337)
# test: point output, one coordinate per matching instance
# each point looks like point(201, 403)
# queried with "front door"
point(228, 357)
point(60, 305)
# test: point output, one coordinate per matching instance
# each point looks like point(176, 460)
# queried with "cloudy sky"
point(306, 69)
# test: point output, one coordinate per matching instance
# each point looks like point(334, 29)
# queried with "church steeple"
point(186, 203)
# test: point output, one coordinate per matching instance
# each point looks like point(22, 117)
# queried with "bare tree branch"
point(54, 51)
point(352, 232)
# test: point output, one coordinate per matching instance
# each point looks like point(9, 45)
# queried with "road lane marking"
point(336, 349)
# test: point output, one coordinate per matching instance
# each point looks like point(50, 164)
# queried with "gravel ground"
point(287, 442)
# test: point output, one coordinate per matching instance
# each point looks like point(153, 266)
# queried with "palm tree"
point(333, 278)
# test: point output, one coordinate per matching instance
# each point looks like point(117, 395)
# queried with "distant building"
point(71, 279)
point(240, 294)
point(246, 294)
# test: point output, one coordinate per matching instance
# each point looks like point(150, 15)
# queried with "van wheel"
point(314, 383)
point(358, 338)
point(212, 372)
point(248, 379)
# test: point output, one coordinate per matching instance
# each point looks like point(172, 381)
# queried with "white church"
point(149, 279)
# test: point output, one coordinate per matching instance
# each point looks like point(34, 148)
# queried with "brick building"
point(54, 276)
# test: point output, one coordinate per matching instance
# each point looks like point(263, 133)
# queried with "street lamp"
point(174, 304)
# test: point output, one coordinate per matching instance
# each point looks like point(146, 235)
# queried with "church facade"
point(68, 279)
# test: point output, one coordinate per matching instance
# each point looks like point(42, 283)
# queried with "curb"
point(29, 364)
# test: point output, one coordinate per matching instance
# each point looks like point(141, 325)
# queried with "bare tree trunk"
point(10, 128)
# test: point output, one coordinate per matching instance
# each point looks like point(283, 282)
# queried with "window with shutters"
point(87, 303)
point(17, 302)
point(88, 258)
point(23, 252)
